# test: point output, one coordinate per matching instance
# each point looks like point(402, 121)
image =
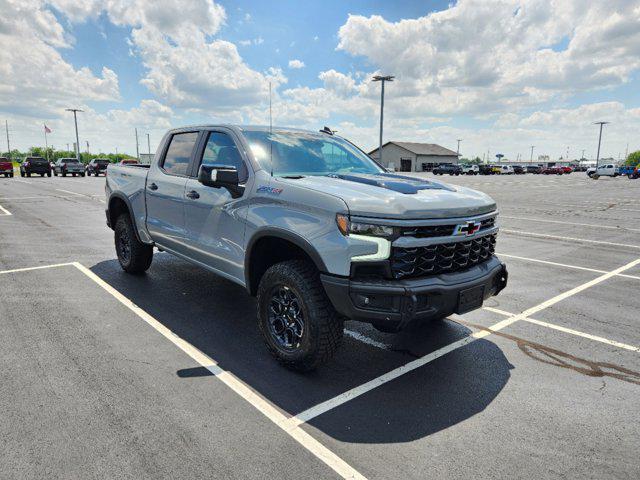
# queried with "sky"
point(499, 75)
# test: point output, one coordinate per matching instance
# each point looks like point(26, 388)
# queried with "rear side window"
point(221, 150)
point(176, 161)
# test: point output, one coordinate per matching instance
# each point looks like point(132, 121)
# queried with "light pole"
point(137, 147)
point(75, 121)
point(382, 78)
point(6, 127)
point(599, 140)
point(531, 157)
point(458, 149)
point(87, 145)
point(149, 146)
point(582, 154)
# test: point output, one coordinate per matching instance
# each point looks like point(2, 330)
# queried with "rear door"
point(215, 221)
point(165, 191)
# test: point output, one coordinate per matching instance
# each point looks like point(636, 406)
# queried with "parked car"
point(309, 224)
point(566, 170)
point(554, 170)
point(518, 169)
point(97, 166)
point(503, 169)
point(128, 161)
point(606, 170)
point(449, 168)
point(534, 169)
point(68, 166)
point(629, 170)
point(469, 169)
point(6, 167)
point(37, 165)
point(485, 170)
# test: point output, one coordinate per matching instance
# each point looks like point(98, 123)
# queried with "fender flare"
point(127, 202)
point(283, 234)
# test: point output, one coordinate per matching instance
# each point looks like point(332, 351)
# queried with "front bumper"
point(395, 303)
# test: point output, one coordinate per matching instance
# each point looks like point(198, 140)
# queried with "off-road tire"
point(323, 327)
point(137, 259)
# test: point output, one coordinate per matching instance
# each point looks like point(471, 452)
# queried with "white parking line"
point(542, 220)
point(332, 403)
point(4, 211)
point(567, 330)
point(364, 339)
point(242, 389)
point(28, 269)
point(556, 264)
point(72, 193)
point(572, 239)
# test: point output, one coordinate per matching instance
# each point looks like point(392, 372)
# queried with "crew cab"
point(449, 168)
point(97, 166)
point(503, 169)
point(606, 170)
point(6, 167)
point(69, 166)
point(36, 165)
point(311, 226)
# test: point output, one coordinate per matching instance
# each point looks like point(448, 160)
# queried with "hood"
point(397, 196)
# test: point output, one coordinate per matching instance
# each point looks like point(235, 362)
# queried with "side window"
point(221, 150)
point(176, 161)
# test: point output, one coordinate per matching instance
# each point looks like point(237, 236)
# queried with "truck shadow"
point(218, 317)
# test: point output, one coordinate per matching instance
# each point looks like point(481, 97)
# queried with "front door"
point(214, 220)
point(165, 192)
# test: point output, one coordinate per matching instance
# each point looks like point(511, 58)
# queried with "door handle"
point(193, 195)
point(153, 186)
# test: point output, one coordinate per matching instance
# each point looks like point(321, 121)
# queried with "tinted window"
point(178, 155)
point(221, 150)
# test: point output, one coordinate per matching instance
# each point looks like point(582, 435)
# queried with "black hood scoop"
point(397, 183)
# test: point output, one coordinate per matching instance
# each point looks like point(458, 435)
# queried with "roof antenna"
point(270, 131)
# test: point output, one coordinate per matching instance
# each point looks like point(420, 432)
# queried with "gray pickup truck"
point(313, 227)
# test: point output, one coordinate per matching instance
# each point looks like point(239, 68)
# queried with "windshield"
point(102, 162)
point(305, 153)
point(70, 160)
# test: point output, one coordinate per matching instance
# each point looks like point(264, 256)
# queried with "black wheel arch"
point(119, 204)
point(272, 240)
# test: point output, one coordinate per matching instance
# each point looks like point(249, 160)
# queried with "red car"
point(555, 170)
point(6, 167)
point(566, 169)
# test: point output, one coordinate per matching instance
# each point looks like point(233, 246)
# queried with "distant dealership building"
point(413, 157)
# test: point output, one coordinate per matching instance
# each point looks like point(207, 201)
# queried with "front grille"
point(443, 258)
point(431, 231)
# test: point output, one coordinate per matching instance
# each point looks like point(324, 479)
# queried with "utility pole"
point(531, 157)
point(6, 127)
point(87, 145)
point(75, 121)
point(149, 146)
point(68, 147)
point(626, 152)
point(458, 149)
point(137, 147)
point(382, 78)
point(582, 154)
point(599, 141)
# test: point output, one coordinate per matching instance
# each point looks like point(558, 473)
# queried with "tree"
point(633, 158)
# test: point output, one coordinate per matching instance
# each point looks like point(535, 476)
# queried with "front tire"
point(299, 325)
point(134, 256)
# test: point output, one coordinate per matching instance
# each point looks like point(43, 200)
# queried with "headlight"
point(368, 229)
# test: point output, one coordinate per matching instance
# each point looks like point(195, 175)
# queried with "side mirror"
point(221, 176)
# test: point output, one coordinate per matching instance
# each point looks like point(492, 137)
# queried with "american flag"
point(47, 129)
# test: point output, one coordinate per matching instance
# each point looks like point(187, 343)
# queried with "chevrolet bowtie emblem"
point(467, 229)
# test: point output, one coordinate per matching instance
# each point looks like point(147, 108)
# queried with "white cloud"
point(296, 64)
point(34, 77)
point(499, 54)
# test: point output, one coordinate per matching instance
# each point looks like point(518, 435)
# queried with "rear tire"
point(96, 174)
point(134, 256)
point(64, 174)
point(299, 325)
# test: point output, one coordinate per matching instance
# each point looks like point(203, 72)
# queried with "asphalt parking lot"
point(103, 374)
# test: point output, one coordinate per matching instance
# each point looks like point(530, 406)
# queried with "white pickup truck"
point(606, 170)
